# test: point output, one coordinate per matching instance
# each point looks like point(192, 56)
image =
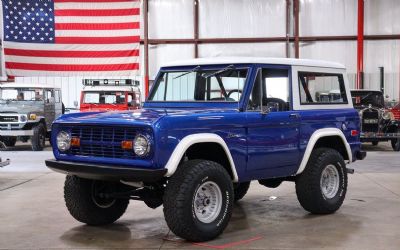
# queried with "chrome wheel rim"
point(329, 182)
point(207, 202)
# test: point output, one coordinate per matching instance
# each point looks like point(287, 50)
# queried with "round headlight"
point(23, 118)
point(141, 145)
point(388, 115)
point(63, 141)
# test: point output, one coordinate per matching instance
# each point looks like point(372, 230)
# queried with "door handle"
point(294, 116)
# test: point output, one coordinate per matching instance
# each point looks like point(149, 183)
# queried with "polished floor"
point(33, 215)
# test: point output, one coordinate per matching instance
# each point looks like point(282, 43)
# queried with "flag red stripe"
point(97, 26)
point(72, 67)
point(85, 12)
point(98, 40)
point(93, 1)
point(77, 54)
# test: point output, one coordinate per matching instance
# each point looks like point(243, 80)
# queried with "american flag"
point(71, 37)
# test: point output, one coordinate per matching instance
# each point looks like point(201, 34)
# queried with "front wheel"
point(396, 144)
point(85, 202)
point(39, 137)
point(198, 200)
point(9, 141)
point(322, 186)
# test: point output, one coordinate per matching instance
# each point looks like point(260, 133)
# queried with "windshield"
point(197, 85)
point(21, 94)
point(104, 97)
point(364, 98)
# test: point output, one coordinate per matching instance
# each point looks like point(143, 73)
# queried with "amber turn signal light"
point(75, 142)
point(127, 145)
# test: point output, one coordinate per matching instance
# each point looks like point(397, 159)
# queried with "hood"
point(21, 107)
point(130, 117)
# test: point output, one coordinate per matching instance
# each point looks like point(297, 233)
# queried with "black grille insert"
point(9, 118)
point(370, 120)
point(103, 141)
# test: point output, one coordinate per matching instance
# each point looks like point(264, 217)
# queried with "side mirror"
point(76, 104)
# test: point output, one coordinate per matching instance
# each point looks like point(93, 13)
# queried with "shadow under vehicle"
point(377, 123)
point(27, 112)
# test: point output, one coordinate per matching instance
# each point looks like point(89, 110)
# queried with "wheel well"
point(334, 142)
point(209, 151)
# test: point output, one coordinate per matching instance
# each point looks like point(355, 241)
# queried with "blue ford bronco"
point(208, 128)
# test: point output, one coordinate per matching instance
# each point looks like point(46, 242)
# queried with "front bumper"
point(16, 132)
point(106, 172)
point(371, 136)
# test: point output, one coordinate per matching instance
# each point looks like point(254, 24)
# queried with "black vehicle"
point(377, 123)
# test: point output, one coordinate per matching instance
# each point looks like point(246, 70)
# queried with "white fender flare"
point(320, 133)
point(188, 141)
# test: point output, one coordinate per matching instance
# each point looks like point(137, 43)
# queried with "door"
point(272, 125)
point(58, 105)
point(49, 107)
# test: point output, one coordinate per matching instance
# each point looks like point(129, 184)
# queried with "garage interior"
point(363, 35)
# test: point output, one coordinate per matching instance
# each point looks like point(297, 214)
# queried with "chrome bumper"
point(16, 132)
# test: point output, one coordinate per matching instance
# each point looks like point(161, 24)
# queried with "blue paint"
point(262, 145)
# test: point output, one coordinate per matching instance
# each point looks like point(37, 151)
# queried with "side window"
point(271, 90)
point(322, 88)
point(57, 96)
point(49, 96)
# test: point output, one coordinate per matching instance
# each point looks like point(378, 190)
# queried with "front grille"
point(103, 141)
point(9, 118)
point(5, 126)
point(370, 120)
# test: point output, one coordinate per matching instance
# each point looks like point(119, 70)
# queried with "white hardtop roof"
point(110, 88)
point(251, 60)
point(27, 85)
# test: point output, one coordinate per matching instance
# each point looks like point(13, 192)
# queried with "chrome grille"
point(13, 118)
point(103, 141)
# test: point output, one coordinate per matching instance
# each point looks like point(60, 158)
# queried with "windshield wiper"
point(230, 67)
point(188, 72)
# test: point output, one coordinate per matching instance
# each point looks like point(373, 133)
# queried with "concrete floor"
point(33, 214)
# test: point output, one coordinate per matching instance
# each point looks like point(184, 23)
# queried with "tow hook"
point(350, 170)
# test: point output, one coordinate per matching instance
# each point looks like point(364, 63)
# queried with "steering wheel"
point(233, 91)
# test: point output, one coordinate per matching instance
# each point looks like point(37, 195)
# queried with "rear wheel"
point(86, 202)
point(374, 143)
point(39, 137)
point(322, 186)
point(198, 200)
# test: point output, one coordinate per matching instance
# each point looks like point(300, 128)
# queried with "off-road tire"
point(241, 189)
point(79, 199)
point(395, 144)
point(308, 184)
point(38, 139)
point(9, 141)
point(374, 143)
point(179, 196)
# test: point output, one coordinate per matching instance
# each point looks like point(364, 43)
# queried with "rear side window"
point(322, 88)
